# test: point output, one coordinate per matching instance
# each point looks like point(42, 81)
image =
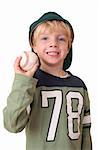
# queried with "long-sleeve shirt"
point(54, 111)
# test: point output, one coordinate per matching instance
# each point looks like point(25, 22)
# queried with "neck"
point(56, 71)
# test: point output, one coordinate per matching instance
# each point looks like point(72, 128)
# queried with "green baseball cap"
point(50, 16)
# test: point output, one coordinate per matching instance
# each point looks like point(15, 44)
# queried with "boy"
point(50, 102)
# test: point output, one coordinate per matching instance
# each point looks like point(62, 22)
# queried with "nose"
point(53, 43)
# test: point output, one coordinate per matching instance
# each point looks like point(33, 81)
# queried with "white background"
point(15, 18)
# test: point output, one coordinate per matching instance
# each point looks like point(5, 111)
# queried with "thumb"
point(33, 70)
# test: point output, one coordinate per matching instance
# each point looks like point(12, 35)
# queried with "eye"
point(44, 38)
point(62, 38)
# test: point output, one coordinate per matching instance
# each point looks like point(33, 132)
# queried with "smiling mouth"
point(53, 53)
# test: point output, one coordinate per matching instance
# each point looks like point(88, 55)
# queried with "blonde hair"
point(51, 26)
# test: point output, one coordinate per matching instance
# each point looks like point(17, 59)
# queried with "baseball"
point(29, 59)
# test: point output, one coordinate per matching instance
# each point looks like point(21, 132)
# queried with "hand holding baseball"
point(27, 63)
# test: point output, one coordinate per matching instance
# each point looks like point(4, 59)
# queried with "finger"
point(31, 72)
point(35, 67)
point(17, 62)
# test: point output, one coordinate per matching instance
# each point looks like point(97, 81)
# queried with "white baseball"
point(29, 59)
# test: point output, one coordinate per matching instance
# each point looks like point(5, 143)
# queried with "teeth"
point(53, 53)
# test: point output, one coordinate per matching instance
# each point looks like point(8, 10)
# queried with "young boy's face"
point(52, 47)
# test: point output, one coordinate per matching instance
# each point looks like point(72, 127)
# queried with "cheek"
point(35, 48)
point(38, 50)
point(65, 52)
point(65, 49)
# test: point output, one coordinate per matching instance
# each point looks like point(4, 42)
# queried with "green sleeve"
point(16, 113)
point(86, 135)
point(86, 139)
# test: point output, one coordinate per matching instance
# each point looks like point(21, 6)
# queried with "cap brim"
point(68, 60)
